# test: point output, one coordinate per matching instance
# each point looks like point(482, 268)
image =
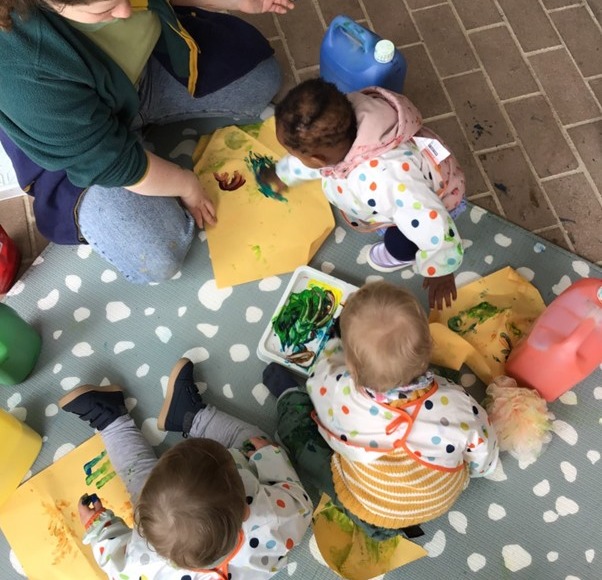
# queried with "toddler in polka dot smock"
point(402, 442)
point(381, 168)
point(224, 504)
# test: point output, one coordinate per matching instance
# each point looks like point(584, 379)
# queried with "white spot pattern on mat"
point(270, 284)
point(49, 301)
point(598, 393)
point(339, 234)
point(552, 556)
point(181, 311)
point(562, 285)
point(17, 288)
point(362, 257)
point(468, 379)
point(82, 349)
point(569, 471)
point(542, 488)
point(152, 433)
point(130, 403)
point(211, 297)
point(476, 213)
point(466, 243)
point(582, 268)
point(149, 311)
point(327, 267)
point(516, 557)
point(142, 370)
point(209, 330)
point(57, 334)
point(62, 450)
point(84, 251)
point(163, 382)
point(565, 431)
point(81, 314)
point(117, 311)
point(69, 383)
point(458, 521)
point(464, 278)
point(57, 368)
point(163, 333)
point(498, 474)
point(566, 506)
point(253, 314)
point(502, 240)
point(227, 390)
point(108, 276)
point(436, 546)
point(14, 400)
point(261, 393)
point(568, 398)
point(593, 456)
point(122, 346)
point(14, 562)
point(239, 352)
point(496, 512)
point(476, 562)
point(374, 278)
point(488, 259)
point(407, 274)
point(74, 283)
point(51, 410)
point(291, 568)
point(526, 273)
point(590, 555)
point(197, 355)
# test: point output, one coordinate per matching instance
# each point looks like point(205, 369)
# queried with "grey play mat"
point(536, 522)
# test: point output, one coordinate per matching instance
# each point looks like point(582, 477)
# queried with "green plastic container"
point(20, 347)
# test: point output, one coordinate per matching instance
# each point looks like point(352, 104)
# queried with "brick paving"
point(513, 86)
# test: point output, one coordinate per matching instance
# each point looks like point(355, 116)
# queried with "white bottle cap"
point(384, 51)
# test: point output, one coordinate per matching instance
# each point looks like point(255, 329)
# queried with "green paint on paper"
point(104, 480)
point(88, 466)
point(257, 251)
point(256, 163)
point(235, 139)
point(467, 320)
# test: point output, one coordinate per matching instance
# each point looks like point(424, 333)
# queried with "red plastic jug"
point(565, 343)
point(9, 261)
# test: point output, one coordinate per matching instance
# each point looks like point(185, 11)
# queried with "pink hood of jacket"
point(384, 120)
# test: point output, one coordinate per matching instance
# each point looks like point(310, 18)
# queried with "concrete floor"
point(513, 86)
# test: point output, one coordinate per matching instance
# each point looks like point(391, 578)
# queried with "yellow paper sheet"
point(258, 236)
point(484, 324)
point(350, 553)
point(41, 522)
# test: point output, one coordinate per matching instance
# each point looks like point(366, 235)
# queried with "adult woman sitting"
point(79, 81)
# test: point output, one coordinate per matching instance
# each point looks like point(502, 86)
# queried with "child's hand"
point(257, 443)
point(267, 176)
point(441, 288)
point(86, 513)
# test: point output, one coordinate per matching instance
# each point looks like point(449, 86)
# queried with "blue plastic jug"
point(353, 57)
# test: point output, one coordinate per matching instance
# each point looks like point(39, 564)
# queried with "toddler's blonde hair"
point(386, 337)
point(192, 505)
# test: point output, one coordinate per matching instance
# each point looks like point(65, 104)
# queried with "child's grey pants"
point(133, 457)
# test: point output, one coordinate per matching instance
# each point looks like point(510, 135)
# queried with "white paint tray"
point(271, 349)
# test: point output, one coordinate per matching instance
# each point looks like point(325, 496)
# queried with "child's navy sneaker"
point(100, 406)
point(182, 400)
point(278, 379)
